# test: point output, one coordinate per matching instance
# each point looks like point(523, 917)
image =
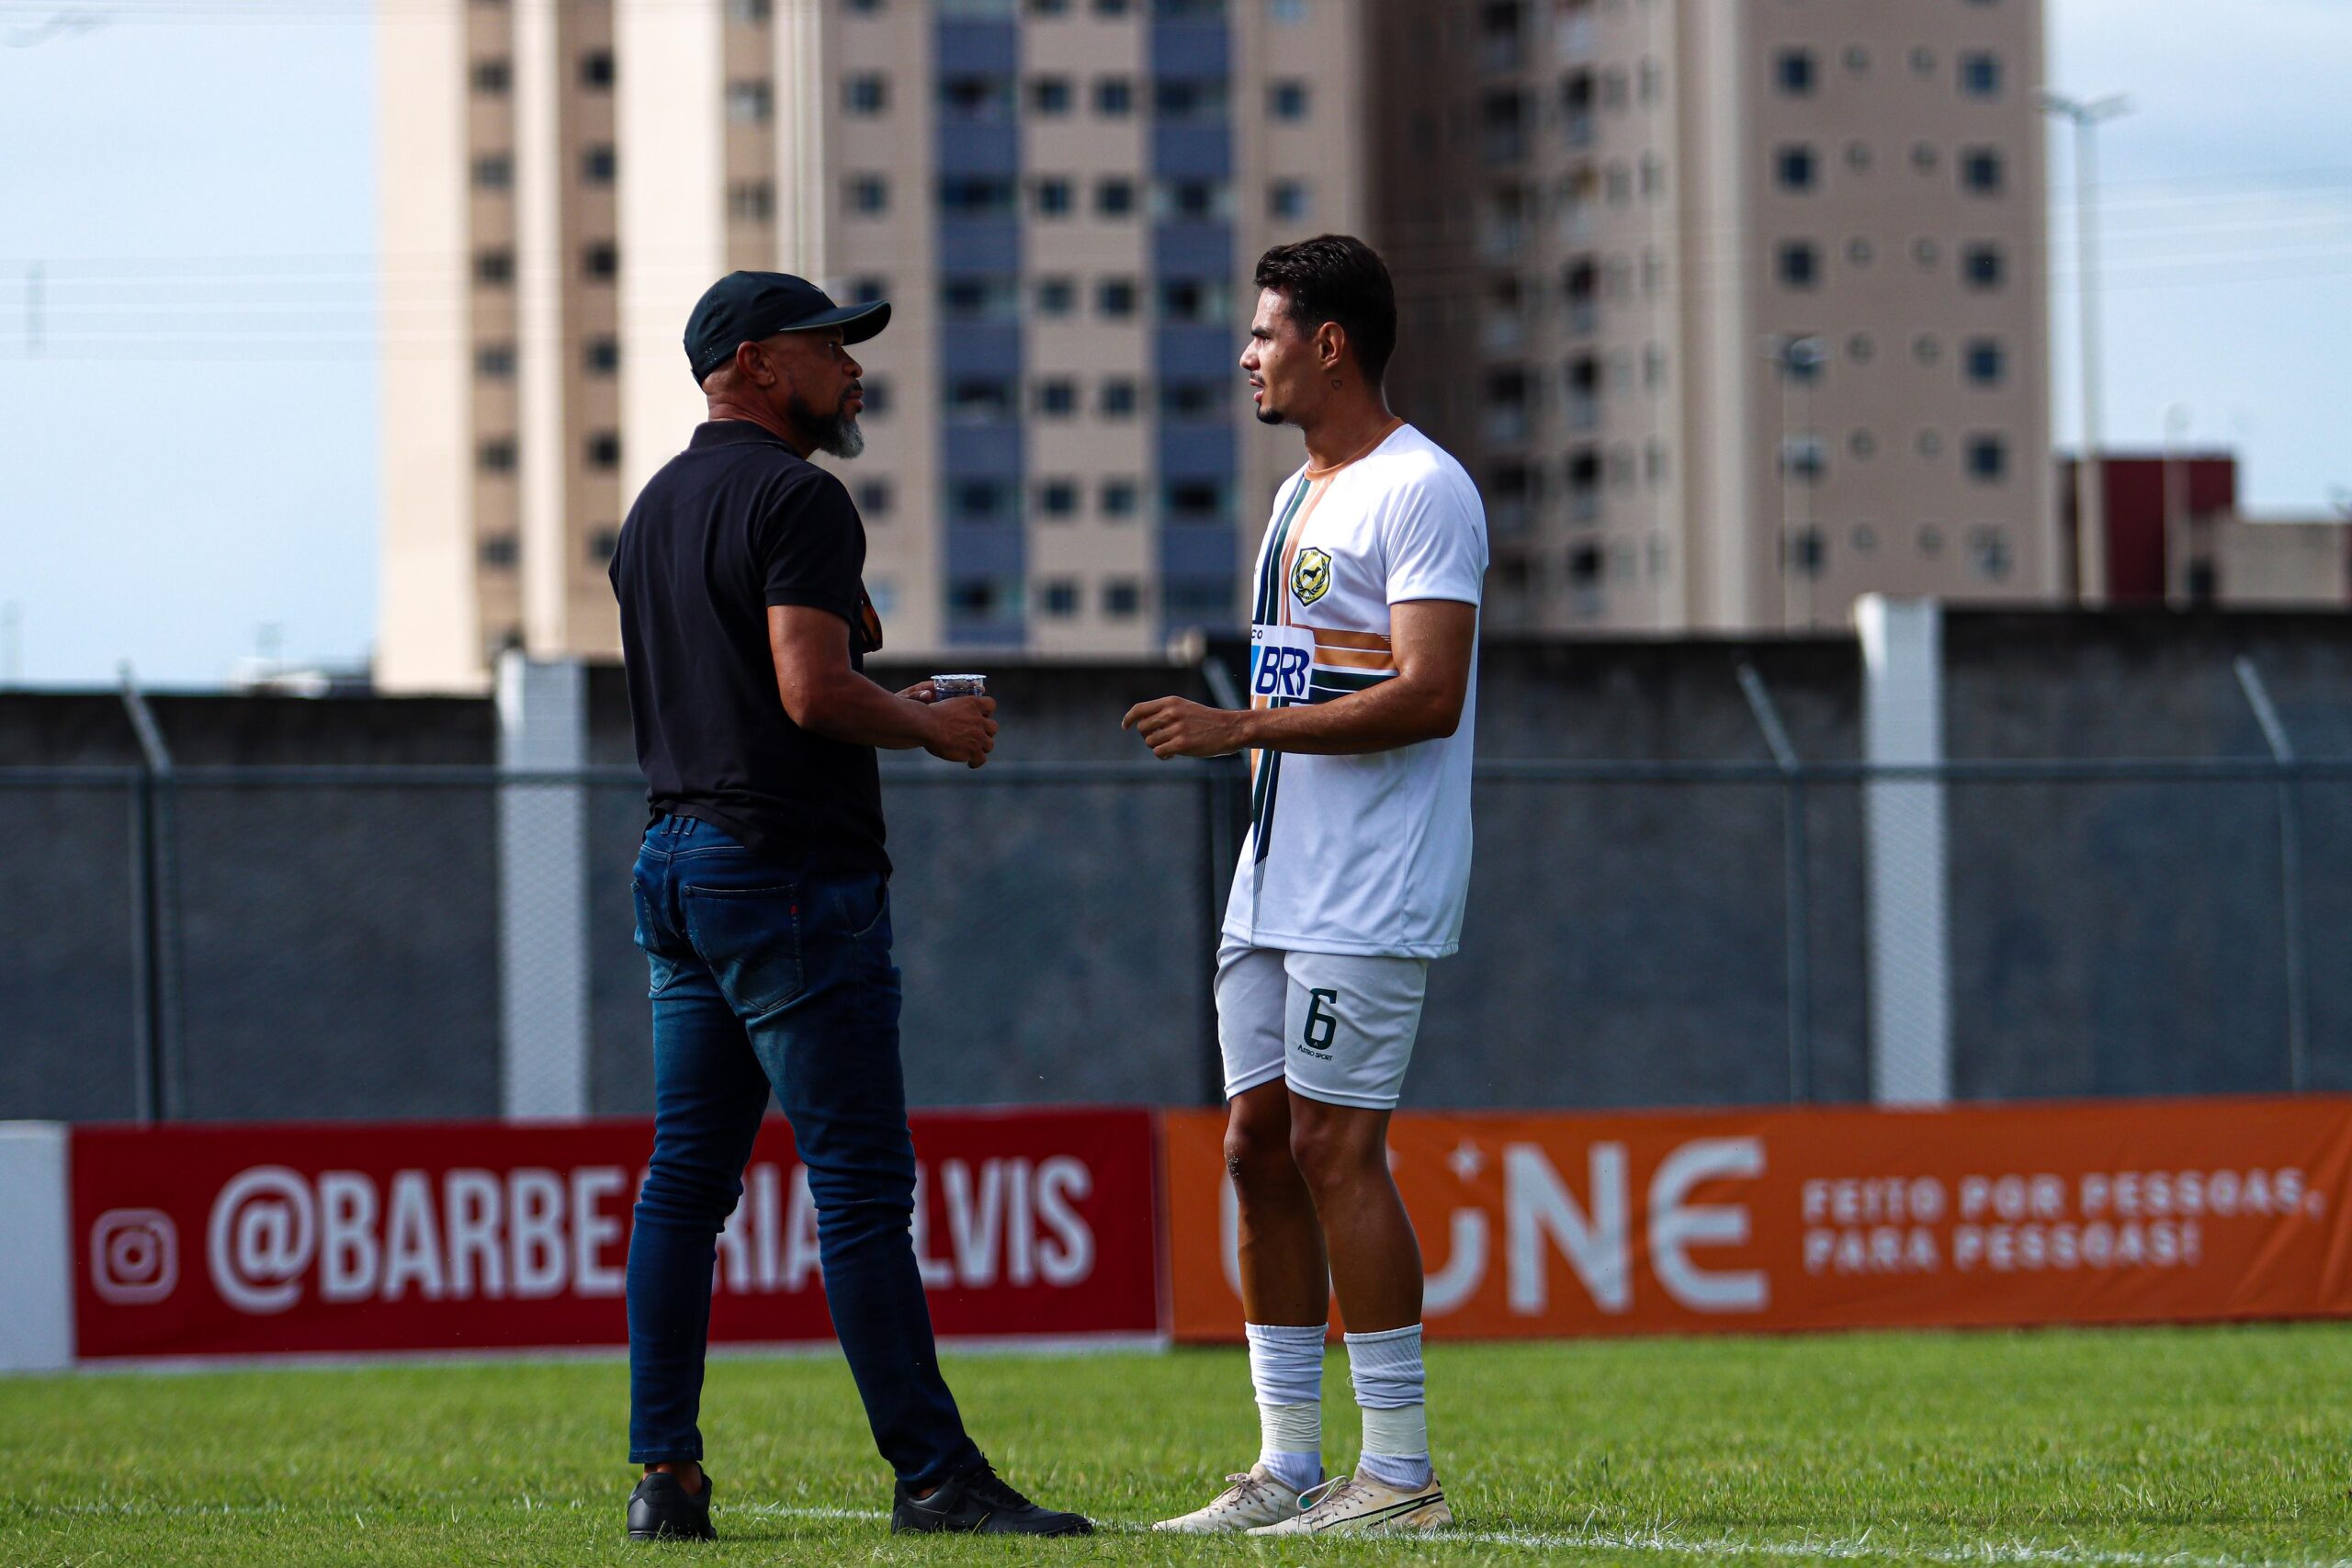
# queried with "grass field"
point(2198, 1448)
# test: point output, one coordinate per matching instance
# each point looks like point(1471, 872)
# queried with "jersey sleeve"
point(1434, 539)
point(813, 549)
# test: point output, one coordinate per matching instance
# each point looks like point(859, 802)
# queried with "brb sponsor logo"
point(1280, 660)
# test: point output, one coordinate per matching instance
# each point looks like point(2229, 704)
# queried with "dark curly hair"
point(1338, 277)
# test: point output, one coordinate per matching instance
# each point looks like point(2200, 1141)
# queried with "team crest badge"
point(1310, 575)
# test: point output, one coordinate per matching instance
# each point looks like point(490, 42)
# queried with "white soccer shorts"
point(1339, 1026)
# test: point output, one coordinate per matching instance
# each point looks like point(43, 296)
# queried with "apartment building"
point(1736, 311)
point(1061, 198)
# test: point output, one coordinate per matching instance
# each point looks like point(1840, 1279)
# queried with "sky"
point(189, 338)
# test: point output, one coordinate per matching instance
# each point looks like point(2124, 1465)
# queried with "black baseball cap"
point(744, 307)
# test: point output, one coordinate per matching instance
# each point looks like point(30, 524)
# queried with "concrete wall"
point(1626, 941)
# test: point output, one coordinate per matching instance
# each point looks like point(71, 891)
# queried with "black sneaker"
point(661, 1509)
point(979, 1503)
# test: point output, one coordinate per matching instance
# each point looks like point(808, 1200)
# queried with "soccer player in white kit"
point(1363, 681)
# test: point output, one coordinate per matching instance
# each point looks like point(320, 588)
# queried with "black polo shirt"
point(736, 521)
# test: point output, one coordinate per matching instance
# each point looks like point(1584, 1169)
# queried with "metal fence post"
point(1796, 854)
point(154, 928)
point(2290, 872)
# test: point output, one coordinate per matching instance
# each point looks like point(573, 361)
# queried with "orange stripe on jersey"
point(1370, 642)
point(1352, 659)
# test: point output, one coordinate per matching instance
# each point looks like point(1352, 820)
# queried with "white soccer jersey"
point(1366, 854)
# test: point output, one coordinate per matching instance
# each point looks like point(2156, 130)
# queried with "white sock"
point(1386, 1369)
point(1286, 1374)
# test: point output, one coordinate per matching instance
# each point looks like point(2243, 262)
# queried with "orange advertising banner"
point(1540, 1226)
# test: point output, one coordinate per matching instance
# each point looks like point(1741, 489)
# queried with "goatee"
point(841, 437)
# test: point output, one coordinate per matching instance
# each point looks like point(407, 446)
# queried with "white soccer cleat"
point(1250, 1501)
point(1357, 1505)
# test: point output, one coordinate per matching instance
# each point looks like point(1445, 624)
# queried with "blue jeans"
point(769, 977)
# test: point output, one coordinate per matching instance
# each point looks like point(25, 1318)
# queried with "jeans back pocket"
point(750, 939)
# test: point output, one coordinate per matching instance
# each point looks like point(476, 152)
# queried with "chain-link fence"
point(268, 943)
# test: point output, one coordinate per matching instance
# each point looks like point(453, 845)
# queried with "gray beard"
point(841, 438)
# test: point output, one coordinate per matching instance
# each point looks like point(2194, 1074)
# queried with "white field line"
point(1661, 1539)
point(1665, 1541)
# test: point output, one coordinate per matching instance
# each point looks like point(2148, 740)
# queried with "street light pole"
point(2090, 474)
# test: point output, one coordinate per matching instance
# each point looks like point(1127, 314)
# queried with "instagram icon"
point(134, 1256)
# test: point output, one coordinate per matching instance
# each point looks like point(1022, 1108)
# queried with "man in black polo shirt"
point(763, 897)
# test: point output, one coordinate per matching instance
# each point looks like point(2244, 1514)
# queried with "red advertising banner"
point(1811, 1219)
point(328, 1238)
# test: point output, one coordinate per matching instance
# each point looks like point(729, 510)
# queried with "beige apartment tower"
point(1061, 198)
point(1736, 309)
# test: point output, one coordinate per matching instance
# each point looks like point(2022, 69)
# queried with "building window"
point(983, 599)
point(494, 361)
point(1287, 202)
point(1923, 62)
point(1980, 170)
point(1857, 61)
point(1189, 98)
point(501, 551)
point(1924, 157)
point(1983, 267)
point(601, 355)
point(1988, 552)
point(1111, 8)
point(494, 268)
point(976, 196)
point(1194, 501)
point(1057, 596)
point(980, 399)
point(605, 449)
point(878, 396)
point(1119, 397)
point(1118, 500)
point(1193, 602)
point(1926, 348)
point(1049, 8)
point(1057, 398)
point(1115, 299)
point(1057, 499)
point(1857, 156)
point(1114, 197)
point(869, 194)
point(1926, 252)
point(1050, 95)
point(495, 455)
point(1862, 348)
point(1287, 13)
point(494, 171)
point(600, 260)
point(980, 501)
point(603, 544)
point(1799, 264)
point(1121, 599)
point(596, 70)
point(1287, 99)
point(987, 99)
point(1056, 296)
point(1188, 301)
point(1858, 253)
point(1929, 444)
point(867, 290)
point(1805, 457)
point(876, 499)
point(868, 93)
point(1192, 201)
point(1796, 168)
point(1192, 401)
point(1862, 445)
point(749, 102)
point(751, 201)
point(1987, 362)
point(598, 164)
point(492, 77)
point(1051, 197)
point(1980, 75)
point(1794, 70)
point(750, 13)
point(1931, 540)
point(1988, 459)
point(1865, 538)
point(1114, 96)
